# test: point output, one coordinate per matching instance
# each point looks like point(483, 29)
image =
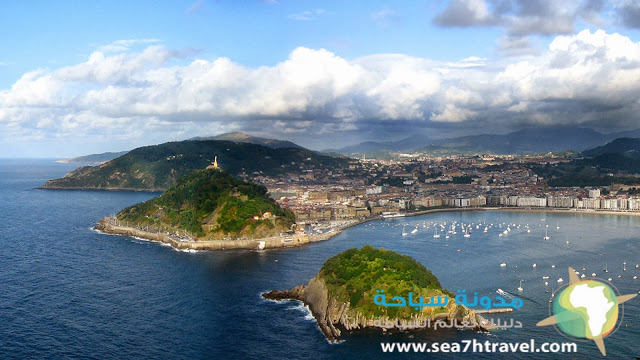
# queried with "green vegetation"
point(602, 170)
point(96, 158)
point(158, 167)
point(355, 274)
point(224, 204)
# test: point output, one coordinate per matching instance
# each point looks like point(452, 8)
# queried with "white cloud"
point(386, 17)
point(307, 14)
point(124, 45)
point(587, 77)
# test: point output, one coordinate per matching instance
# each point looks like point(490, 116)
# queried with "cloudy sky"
point(80, 77)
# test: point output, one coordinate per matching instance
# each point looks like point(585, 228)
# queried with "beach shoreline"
point(280, 242)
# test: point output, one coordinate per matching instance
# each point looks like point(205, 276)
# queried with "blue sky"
point(78, 77)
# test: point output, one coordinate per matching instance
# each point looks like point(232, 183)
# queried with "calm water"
point(69, 292)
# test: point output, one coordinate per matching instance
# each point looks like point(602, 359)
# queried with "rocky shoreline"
point(107, 227)
point(334, 316)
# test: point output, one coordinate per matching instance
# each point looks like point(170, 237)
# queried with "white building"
point(531, 202)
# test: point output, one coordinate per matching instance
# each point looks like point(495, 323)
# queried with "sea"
point(69, 292)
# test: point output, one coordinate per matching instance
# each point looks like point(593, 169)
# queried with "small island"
point(207, 210)
point(341, 295)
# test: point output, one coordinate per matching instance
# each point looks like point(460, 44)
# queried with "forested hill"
point(157, 167)
point(211, 204)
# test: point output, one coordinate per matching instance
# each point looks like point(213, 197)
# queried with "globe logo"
point(586, 309)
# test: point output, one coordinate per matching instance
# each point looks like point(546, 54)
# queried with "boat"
point(414, 230)
point(553, 266)
point(593, 274)
point(609, 279)
point(534, 265)
point(503, 265)
point(560, 280)
point(582, 276)
point(458, 250)
point(520, 287)
point(467, 235)
point(546, 283)
point(634, 277)
point(545, 277)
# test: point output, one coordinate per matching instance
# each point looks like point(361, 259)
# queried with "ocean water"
point(67, 291)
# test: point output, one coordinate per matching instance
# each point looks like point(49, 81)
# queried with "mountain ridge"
point(525, 141)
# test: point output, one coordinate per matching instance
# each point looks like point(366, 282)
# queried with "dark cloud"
point(520, 17)
point(517, 46)
point(629, 13)
point(465, 13)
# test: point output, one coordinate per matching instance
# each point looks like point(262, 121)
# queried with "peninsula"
point(341, 296)
point(205, 207)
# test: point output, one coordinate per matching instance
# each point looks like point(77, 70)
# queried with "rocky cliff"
point(334, 316)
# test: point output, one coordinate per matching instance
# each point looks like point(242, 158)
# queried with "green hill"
point(355, 274)
point(157, 167)
point(94, 158)
point(342, 296)
point(211, 204)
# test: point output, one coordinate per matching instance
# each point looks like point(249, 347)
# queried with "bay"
point(70, 292)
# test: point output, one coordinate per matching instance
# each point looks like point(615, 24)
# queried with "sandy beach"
point(278, 242)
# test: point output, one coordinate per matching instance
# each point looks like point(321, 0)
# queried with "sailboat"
point(436, 235)
point(546, 236)
point(520, 287)
point(605, 268)
point(404, 233)
point(557, 225)
point(624, 266)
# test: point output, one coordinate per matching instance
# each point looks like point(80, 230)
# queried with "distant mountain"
point(157, 167)
point(526, 141)
point(411, 142)
point(249, 139)
point(626, 146)
point(94, 158)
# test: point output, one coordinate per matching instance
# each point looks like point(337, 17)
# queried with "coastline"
point(568, 211)
point(44, 187)
point(275, 242)
point(279, 242)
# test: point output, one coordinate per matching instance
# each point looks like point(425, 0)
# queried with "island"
point(209, 209)
point(341, 296)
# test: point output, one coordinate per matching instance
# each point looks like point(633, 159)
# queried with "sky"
point(89, 76)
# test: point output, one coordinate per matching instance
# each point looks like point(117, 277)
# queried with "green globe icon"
point(586, 309)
